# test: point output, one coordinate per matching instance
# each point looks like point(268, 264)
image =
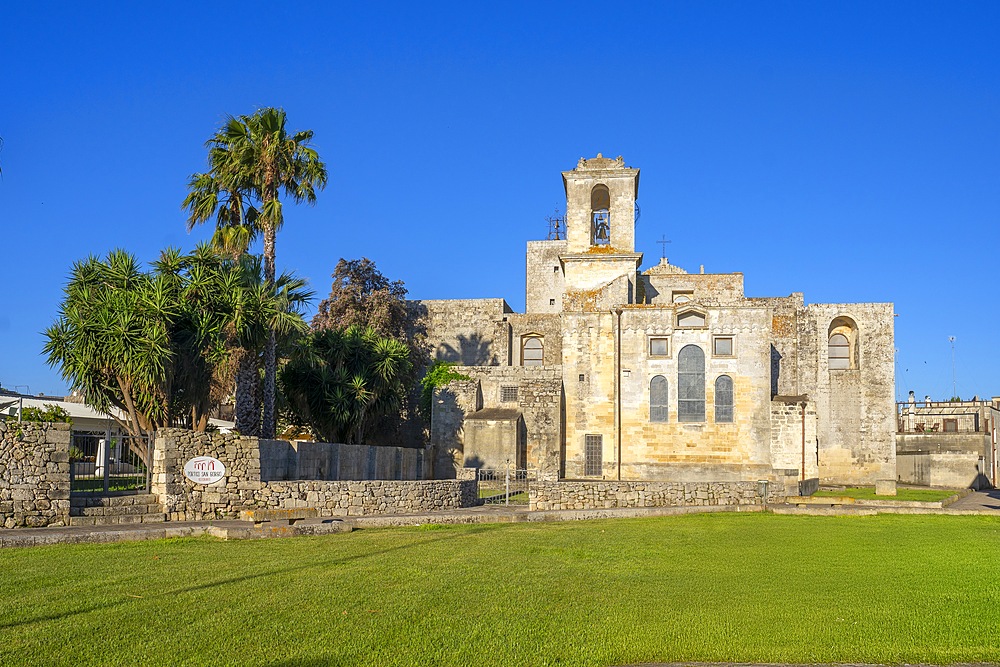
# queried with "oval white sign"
point(204, 470)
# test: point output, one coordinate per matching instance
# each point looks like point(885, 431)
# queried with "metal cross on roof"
point(663, 244)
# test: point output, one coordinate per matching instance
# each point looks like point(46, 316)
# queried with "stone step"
point(127, 510)
point(95, 500)
point(116, 520)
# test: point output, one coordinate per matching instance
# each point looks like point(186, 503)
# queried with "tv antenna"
point(557, 226)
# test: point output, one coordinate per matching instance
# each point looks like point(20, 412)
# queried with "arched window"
point(723, 399)
point(840, 352)
point(658, 397)
point(600, 215)
point(842, 348)
point(531, 351)
point(691, 384)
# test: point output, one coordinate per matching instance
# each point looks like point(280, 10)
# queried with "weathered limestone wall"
point(793, 434)
point(243, 488)
point(470, 332)
point(549, 327)
point(545, 282)
point(448, 410)
point(709, 289)
point(34, 474)
point(680, 451)
point(785, 313)
point(593, 272)
point(856, 407)
point(607, 495)
point(950, 460)
point(281, 460)
point(539, 399)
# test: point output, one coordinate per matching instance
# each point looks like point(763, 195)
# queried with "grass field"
point(714, 587)
point(868, 493)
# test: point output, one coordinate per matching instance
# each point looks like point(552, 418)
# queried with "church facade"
point(660, 375)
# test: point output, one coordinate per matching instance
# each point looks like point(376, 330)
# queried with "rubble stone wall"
point(34, 474)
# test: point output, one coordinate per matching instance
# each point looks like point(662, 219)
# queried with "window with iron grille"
point(593, 455)
point(691, 384)
point(723, 399)
point(508, 394)
point(658, 396)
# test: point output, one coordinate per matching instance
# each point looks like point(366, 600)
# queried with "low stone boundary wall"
point(243, 487)
point(282, 460)
point(34, 474)
point(607, 495)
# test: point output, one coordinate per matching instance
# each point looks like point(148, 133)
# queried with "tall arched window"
point(532, 351)
point(723, 399)
point(658, 397)
point(691, 384)
point(600, 215)
point(842, 344)
point(840, 352)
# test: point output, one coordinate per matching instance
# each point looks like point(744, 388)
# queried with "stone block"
point(885, 487)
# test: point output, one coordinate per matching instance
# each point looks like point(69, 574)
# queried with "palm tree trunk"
point(271, 349)
point(268, 424)
point(247, 412)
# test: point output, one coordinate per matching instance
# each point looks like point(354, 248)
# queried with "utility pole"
point(954, 383)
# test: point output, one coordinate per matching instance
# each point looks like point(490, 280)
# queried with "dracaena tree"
point(253, 161)
point(156, 348)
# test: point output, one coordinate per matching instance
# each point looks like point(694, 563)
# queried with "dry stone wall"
point(34, 474)
point(608, 495)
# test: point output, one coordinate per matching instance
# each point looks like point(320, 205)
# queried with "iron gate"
point(106, 463)
point(506, 486)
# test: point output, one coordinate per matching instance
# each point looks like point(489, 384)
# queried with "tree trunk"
point(270, 381)
point(247, 380)
point(271, 348)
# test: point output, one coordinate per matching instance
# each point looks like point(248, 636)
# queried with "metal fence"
point(506, 486)
point(106, 463)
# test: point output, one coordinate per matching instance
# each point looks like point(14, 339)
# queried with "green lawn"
point(868, 493)
point(714, 587)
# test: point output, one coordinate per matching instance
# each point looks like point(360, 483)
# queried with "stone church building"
point(618, 373)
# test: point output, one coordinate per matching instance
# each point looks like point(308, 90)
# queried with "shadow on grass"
point(248, 577)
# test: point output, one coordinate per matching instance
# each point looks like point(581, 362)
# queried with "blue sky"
point(845, 150)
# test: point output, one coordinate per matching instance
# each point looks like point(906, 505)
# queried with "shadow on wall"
point(981, 482)
point(473, 350)
point(775, 370)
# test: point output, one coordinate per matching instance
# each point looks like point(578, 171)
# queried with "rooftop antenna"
point(557, 226)
point(954, 383)
point(663, 244)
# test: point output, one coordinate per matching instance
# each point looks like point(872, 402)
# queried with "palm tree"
point(252, 161)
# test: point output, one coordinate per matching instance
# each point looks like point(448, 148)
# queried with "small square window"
point(722, 346)
point(508, 394)
point(583, 378)
point(552, 302)
point(555, 269)
point(659, 347)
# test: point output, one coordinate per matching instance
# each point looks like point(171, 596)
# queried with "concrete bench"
point(290, 515)
point(824, 501)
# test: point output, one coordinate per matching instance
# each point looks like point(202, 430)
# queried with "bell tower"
point(600, 223)
point(600, 204)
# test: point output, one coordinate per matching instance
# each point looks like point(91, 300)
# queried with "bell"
point(602, 232)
